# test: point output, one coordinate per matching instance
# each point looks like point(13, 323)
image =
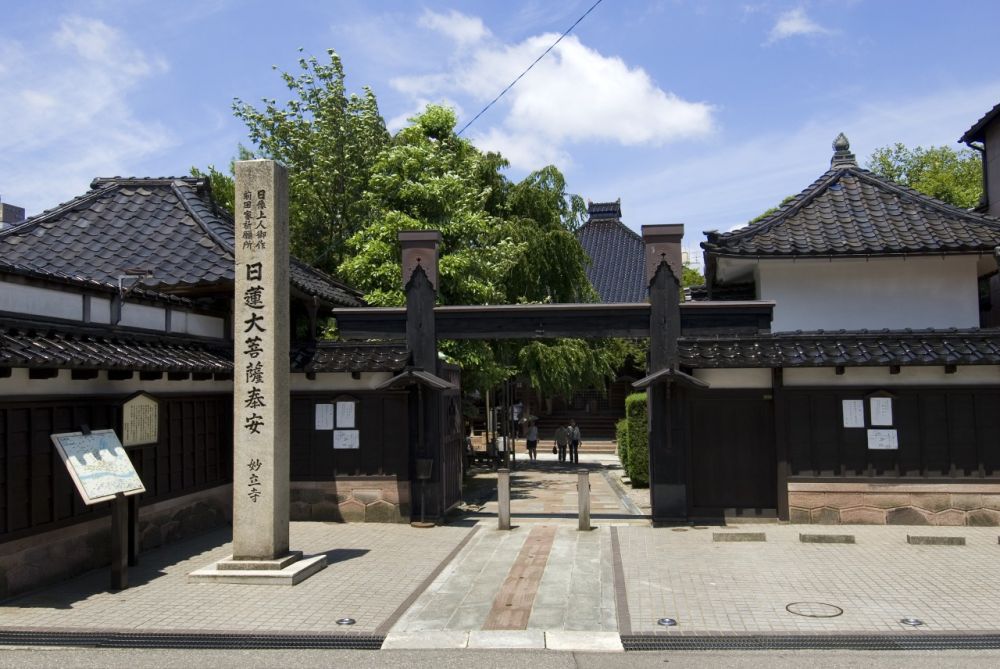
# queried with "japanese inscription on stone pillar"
point(260, 376)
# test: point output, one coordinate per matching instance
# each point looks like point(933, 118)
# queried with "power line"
point(544, 53)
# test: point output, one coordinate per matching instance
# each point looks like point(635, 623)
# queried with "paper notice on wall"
point(882, 440)
point(345, 414)
point(324, 416)
point(346, 439)
point(881, 410)
point(854, 413)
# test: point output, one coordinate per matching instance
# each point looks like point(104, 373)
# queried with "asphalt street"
point(86, 658)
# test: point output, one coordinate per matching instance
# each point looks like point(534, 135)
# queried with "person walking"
point(532, 439)
point(574, 442)
point(561, 441)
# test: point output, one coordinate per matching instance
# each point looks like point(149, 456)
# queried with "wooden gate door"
point(732, 456)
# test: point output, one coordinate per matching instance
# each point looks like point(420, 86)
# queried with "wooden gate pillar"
point(420, 276)
point(667, 459)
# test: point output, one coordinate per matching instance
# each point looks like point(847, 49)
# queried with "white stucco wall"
point(143, 316)
point(734, 378)
point(22, 299)
point(879, 376)
point(851, 294)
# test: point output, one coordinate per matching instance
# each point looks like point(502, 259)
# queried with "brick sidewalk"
point(373, 569)
point(737, 587)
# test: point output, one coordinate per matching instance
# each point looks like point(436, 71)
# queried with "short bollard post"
point(503, 499)
point(583, 492)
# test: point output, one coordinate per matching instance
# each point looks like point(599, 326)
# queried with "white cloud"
point(575, 94)
point(459, 27)
point(70, 118)
point(729, 183)
point(795, 22)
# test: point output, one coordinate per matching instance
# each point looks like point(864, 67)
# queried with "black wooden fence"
point(194, 452)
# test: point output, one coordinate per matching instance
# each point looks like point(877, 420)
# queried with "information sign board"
point(98, 465)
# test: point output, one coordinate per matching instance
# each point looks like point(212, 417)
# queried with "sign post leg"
point(119, 542)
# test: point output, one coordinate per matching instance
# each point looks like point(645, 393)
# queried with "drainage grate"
point(100, 639)
point(908, 641)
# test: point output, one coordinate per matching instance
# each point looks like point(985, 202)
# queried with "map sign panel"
point(98, 465)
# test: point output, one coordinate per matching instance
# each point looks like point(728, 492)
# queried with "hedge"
point(621, 436)
point(636, 461)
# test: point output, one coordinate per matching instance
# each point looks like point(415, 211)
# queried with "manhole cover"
point(814, 609)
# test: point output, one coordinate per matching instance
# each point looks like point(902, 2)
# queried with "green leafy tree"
point(955, 177)
point(502, 243)
point(329, 141)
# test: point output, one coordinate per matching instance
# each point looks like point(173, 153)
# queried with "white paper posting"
point(881, 409)
point(345, 415)
point(882, 440)
point(854, 413)
point(324, 416)
point(346, 439)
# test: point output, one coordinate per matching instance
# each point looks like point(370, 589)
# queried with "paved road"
point(225, 659)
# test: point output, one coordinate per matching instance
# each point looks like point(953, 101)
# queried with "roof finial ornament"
point(842, 156)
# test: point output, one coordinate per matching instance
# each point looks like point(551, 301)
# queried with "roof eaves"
point(975, 134)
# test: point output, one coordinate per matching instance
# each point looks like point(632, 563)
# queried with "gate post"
point(583, 496)
point(667, 460)
point(503, 499)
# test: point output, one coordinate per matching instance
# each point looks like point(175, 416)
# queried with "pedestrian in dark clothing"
point(562, 441)
point(574, 442)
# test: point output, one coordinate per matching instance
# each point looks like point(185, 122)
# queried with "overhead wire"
point(528, 69)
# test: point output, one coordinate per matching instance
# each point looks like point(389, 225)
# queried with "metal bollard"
point(503, 499)
point(583, 493)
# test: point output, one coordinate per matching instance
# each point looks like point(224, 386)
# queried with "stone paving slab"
point(728, 588)
point(373, 570)
point(576, 591)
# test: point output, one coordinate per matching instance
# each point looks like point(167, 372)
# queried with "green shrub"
point(637, 456)
point(621, 436)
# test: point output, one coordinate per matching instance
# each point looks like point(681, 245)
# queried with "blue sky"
point(702, 113)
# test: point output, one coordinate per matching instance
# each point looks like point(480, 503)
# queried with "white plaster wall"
point(18, 384)
point(338, 381)
point(735, 378)
point(40, 301)
point(851, 294)
point(143, 316)
point(205, 326)
point(880, 376)
point(100, 310)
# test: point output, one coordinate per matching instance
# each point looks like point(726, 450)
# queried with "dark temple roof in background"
point(851, 212)
point(862, 348)
point(167, 225)
point(341, 357)
point(975, 133)
point(617, 256)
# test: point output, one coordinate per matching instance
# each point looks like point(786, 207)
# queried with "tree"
point(328, 140)
point(502, 243)
point(955, 177)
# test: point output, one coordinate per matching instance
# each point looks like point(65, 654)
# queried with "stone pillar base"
point(286, 570)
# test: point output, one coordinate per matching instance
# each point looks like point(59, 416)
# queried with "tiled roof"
point(862, 348)
point(341, 357)
point(604, 210)
point(617, 256)
point(166, 225)
point(35, 345)
point(975, 133)
point(851, 212)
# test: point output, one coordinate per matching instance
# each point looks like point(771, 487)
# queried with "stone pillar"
point(261, 385)
point(667, 461)
point(583, 500)
point(261, 367)
point(503, 499)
